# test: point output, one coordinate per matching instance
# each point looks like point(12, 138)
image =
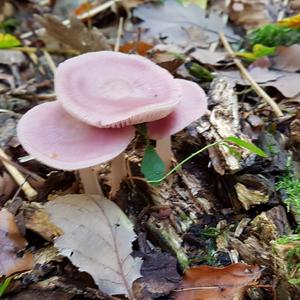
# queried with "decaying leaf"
point(97, 238)
point(252, 190)
point(211, 283)
point(172, 20)
point(11, 245)
point(160, 276)
point(250, 13)
point(77, 36)
point(36, 219)
point(285, 82)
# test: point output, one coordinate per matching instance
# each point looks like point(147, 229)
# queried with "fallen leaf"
point(37, 220)
point(11, 243)
point(160, 276)
point(287, 58)
point(293, 22)
point(250, 13)
point(97, 239)
point(8, 41)
point(77, 36)
point(208, 57)
point(211, 283)
point(172, 20)
point(138, 47)
point(83, 8)
point(286, 83)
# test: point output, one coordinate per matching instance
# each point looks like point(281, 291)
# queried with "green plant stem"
point(184, 161)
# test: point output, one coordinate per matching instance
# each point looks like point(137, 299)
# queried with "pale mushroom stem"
point(164, 150)
point(118, 172)
point(90, 182)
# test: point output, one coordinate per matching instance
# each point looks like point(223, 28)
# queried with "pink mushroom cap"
point(111, 89)
point(192, 106)
point(58, 140)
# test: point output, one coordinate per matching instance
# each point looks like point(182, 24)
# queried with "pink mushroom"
point(58, 140)
point(110, 89)
point(193, 104)
point(100, 95)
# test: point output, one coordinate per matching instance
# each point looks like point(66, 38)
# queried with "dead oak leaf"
point(11, 245)
point(98, 239)
point(76, 36)
point(212, 283)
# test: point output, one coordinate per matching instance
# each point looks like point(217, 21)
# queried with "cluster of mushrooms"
point(100, 97)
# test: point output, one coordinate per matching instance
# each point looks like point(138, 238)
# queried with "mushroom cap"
point(112, 89)
point(192, 106)
point(58, 140)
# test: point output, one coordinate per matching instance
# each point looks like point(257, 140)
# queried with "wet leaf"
point(247, 145)
point(8, 41)
point(152, 166)
point(211, 283)
point(97, 239)
point(11, 243)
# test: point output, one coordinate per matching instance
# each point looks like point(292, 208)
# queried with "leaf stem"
point(184, 161)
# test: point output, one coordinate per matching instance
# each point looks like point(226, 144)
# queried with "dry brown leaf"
point(77, 36)
point(250, 13)
point(11, 243)
point(138, 47)
point(211, 283)
point(36, 219)
point(97, 238)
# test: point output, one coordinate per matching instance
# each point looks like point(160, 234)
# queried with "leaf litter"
point(219, 208)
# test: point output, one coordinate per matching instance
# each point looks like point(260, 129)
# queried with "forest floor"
point(223, 225)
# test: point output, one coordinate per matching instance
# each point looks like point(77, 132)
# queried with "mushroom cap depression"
point(110, 89)
point(60, 141)
point(192, 106)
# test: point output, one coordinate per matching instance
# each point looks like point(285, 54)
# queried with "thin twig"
point(50, 61)
point(119, 34)
point(28, 190)
point(249, 78)
point(33, 50)
point(23, 170)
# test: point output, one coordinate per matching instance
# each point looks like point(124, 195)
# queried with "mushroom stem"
point(90, 182)
point(117, 173)
point(164, 150)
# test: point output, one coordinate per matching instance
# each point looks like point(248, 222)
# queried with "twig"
point(33, 50)
point(49, 60)
point(249, 78)
point(89, 14)
point(28, 190)
point(119, 34)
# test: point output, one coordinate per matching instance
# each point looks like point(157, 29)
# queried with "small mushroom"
point(58, 140)
point(110, 89)
point(192, 106)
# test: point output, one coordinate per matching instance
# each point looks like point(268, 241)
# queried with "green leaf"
point(152, 166)
point(247, 145)
point(4, 285)
point(8, 41)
